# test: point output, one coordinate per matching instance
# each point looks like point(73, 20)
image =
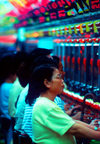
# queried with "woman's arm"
point(82, 129)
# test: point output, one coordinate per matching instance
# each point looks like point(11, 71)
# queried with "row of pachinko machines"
point(81, 61)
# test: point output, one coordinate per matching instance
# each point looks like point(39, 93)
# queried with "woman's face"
point(57, 83)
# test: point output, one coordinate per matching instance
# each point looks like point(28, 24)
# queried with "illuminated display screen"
point(56, 10)
point(94, 5)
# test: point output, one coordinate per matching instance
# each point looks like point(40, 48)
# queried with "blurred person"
point(16, 89)
point(24, 75)
point(7, 78)
point(49, 123)
point(23, 62)
point(24, 71)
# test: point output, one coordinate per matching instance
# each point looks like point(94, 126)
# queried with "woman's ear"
point(47, 83)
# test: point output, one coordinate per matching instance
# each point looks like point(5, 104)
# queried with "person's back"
point(13, 96)
point(20, 58)
point(7, 77)
point(20, 108)
point(4, 95)
point(27, 120)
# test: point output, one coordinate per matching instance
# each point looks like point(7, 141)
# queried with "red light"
point(41, 19)
point(53, 31)
point(59, 3)
point(12, 20)
point(73, 60)
point(94, 39)
point(82, 47)
point(80, 51)
point(54, 5)
point(62, 40)
point(97, 40)
point(66, 28)
point(69, 37)
point(42, 9)
point(70, 40)
point(91, 62)
point(84, 63)
point(98, 63)
point(75, 40)
point(64, 58)
point(81, 40)
point(58, 40)
point(37, 12)
point(87, 35)
point(65, 40)
point(78, 60)
point(61, 13)
point(63, 2)
point(87, 40)
point(72, 0)
point(78, 27)
point(53, 15)
point(68, 59)
point(60, 57)
point(68, 3)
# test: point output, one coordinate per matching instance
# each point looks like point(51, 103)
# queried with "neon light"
point(41, 19)
point(63, 2)
point(60, 4)
point(25, 2)
point(54, 5)
point(95, 4)
point(96, 1)
point(49, 6)
point(53, 15)
point(68, 3)
point(24, 23)
point(36, 12)
point(42, 9)
point(61, 13)
point(72, 0)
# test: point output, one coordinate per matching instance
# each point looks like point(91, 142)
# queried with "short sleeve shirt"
point(50, 123)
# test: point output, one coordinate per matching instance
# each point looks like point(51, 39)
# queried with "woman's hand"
point(95, 122)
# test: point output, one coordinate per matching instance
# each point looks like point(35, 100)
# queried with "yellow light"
point(17, 3)
point(25, 2)
point(35, 34)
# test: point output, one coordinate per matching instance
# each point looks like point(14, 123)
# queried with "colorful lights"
point(78, 98)
point(67, 30)
point(8, 39)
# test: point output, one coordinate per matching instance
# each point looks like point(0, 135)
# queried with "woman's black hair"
point(43, 60)
point(25, 70)
point(36, 84)
point(56, 60)
point(7, 66)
